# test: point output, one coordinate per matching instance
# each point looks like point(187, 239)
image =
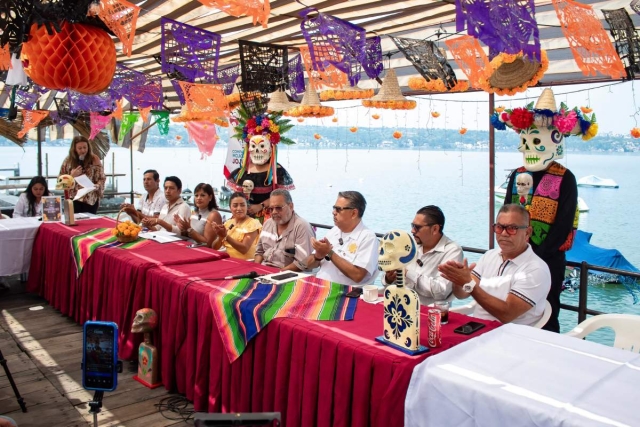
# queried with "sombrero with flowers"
point(545, 114)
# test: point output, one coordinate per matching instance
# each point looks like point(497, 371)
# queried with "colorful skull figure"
point(247, 187)
point(397, 249)
point(146, 320)
point(524, 181)
point(260, 149)
point(540, 145)
point(65, 182)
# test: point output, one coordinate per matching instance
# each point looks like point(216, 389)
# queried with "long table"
point(314, 373)
point(16, 240)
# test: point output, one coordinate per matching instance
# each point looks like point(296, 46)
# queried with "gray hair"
point(512, 207)
point(356, 200)
point(284, 193)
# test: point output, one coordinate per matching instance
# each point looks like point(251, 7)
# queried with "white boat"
point(501, 190)
point(596, 181)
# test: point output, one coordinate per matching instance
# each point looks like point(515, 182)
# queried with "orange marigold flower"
point(435, 114)
point(317, 136)
point(334, 120)
point(397, 134)
point(586, 110)
point(353, 129)
point(499, 109)
point(635, 132)
point(375, 116)
point(463, 131)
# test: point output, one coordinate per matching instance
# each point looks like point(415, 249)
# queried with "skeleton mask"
point(524, 181)
point(65, 182)
point(259, 149)
point(146, 320)
point(247, 187)
point(397, 249)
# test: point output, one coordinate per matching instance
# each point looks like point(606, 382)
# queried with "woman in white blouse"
point(30, 202)
point(175, 206)
point(205, 212)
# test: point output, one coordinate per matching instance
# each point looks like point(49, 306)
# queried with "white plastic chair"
point(469, 308)
point(625, 326)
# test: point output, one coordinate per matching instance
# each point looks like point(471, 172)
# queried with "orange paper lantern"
point(397, 134)
point(80, 57)
point(353, 129)
point(635, 132)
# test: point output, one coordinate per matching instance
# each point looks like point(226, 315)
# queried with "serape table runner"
point(85, 244)
point(242, 308)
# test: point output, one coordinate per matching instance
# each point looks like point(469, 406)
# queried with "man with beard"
point(151, 203)
point(434, 248)
point(285, 241)
point(348, 254)
point(510, 284)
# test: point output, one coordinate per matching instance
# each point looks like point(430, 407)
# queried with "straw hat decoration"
point(344, 93)
point(278, 101)
point(310, 106)
point(234, 97)
point(510, 74)
point(390, 96)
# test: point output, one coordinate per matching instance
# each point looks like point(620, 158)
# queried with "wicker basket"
point(121, 237)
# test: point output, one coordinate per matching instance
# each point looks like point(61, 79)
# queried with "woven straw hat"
point(390, 89)
point(547, 101)
point(514, 74)
point(279, 102)
point(310, 97)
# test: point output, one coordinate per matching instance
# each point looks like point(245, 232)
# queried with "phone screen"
point(354, 293)
point(469, 328)
point(100, 356)
point(284, 276)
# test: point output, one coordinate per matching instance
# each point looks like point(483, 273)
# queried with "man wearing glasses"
point(434, 248)
point(509, 284)
point(285, 241)
point(348, 254)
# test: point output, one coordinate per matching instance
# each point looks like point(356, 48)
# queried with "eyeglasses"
point(511, 229)
point(419, 227)
point(275, 208)
point(340, 208)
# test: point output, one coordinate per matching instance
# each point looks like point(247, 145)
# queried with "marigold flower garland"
point(436, 85)
point(345, 94)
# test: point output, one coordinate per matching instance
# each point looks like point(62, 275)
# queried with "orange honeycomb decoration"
point(121, 18)
point(80, 57)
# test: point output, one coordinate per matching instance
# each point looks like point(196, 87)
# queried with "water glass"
point(443, 306)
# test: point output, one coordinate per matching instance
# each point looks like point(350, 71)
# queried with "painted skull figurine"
point(260, 149)
point(397, 249)
point(247, 187)
point(524, 181)
point(540, 145)
point(146, 320)
point(65, 182)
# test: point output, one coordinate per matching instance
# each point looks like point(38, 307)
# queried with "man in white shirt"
point(348, 254)
point(509, 284)
point(151, 203)
point(434, 248)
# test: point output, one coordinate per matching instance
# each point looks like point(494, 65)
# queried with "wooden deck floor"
point(43, 351)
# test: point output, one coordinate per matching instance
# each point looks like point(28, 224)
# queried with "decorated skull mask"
point(65, 182)
point(397, 249)
point(540, 145)
point(146, 320)
point(524, 181)
point(260, 149)
point(247, 186)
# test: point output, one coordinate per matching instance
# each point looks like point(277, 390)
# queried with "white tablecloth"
point(16, 241)
point(521, 376)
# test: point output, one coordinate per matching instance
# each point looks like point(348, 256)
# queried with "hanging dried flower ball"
point(317, 136)
point(499, 109)
point(435, 114)
point(397, 134)
point(586, 110)
point(635, 132)
point(463, 131)
point(375, 116)
point(353, 129)
point(334, 120)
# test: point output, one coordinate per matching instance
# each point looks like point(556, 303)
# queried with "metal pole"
point(492, 171)
point(131, 168)
point(39, 132)
point(46, 164)
point(582, 298)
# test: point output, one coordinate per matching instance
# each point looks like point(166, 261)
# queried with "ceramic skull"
point(260, 149)
point(65, 182)
point(247, 186)
point(146, 320)
point(524, 181)
point(539, 146)
point(397, 249)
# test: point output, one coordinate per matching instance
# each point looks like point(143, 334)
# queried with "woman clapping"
point(205, 212)
point(239, 234)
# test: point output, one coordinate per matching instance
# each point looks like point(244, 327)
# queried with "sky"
point(615, 104)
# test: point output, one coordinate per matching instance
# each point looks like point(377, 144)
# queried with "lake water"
point(396, 183)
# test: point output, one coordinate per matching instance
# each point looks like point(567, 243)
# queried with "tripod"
point(3, 362)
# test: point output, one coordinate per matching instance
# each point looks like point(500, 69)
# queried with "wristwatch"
point(329, 255)
point(468, 287)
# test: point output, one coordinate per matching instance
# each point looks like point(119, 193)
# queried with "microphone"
point(341, 241)
point(249, 275)
point(231, 226)
point(419, 262)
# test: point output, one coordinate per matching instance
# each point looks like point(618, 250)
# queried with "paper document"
point(86, 215)
point(160, 236)
point(87, 186)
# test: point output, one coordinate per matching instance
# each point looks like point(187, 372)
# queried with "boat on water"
point(596, 181)
point(501, 190)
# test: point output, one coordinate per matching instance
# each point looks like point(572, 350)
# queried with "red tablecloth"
point(111, 285)
point(315, 373)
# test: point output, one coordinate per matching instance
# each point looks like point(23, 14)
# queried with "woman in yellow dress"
point(239, 234)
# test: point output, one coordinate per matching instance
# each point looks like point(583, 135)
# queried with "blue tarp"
point(583, 250)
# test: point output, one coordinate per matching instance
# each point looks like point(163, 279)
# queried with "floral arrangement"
point(344, 94)
point(390, 105)
point(567, 121)
point(126, 231)
point(271, 126)
point(484, 82)
point(436, 85)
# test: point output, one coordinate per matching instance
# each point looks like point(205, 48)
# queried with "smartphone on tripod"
point(100, 356)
